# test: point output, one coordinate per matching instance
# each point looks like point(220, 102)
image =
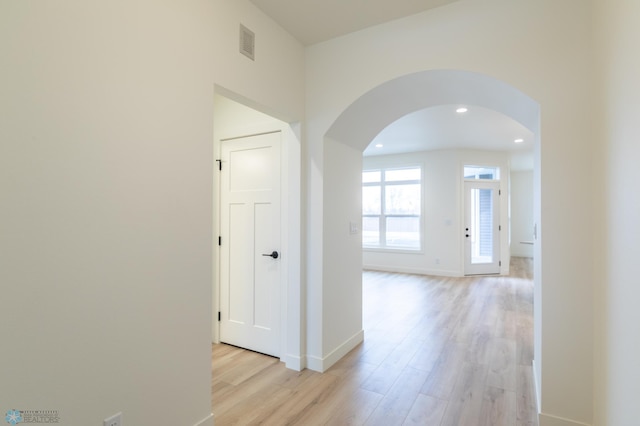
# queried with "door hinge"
point(499, 264)
point(219, 164)
point(219, 316)
point(499, 227)
point(499, 190)
point(219, 241)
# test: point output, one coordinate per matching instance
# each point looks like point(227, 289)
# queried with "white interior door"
point(482, 227)
point(250, 243)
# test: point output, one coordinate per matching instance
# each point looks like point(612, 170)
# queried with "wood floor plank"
point(426, 411)
point(291, 379)
point(428, 354)
point(465, 404)
point(498, 408)
point(526, 410)
point(480, 349)
point(300, 407)
point(507, 325)
point(524, 339)
point(255, 407)
point(443, 377)
point(352, 368)
point(395, 406)
point(246, 364)
point(378, 352)
point(403, 353)
point(502, 366)
point(235, 394)
point(382, 379)
point(438, 351)
point(348, 403)
point(354, 409)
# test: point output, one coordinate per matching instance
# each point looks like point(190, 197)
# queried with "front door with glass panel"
point(481, 231)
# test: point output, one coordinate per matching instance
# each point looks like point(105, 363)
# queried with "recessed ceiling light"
point(462, 110)
point(519, 140)
point(379, 145)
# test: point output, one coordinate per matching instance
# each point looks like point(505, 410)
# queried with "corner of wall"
point(323, 364)
point(293, 362)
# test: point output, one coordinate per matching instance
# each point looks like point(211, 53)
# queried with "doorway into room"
point(256, 280)
point(482, 228)
point(353, 131)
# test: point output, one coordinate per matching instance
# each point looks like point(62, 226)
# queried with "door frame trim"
point(478, 158)
point(491, 184)
point(291, 231)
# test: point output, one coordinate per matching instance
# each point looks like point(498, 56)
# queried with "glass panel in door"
point(481, 233)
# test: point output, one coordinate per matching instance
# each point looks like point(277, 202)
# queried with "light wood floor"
point(437, 351)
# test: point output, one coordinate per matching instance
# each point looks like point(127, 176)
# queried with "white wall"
point(341, 317)
point(521, 191)
point(442, 211)
point(106, 120)
point(274, 82)
point(106, 209)
point(541, 47)
point(618, 343)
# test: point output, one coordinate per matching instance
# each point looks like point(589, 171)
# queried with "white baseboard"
point(323, 364)
point(415, 271)
point(207, 421)
point(293, 362)
point(549, 420)
point(315, 363)
point(536, 386)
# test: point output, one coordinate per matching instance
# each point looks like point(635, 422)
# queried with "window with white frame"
point(391, 208)
point(481, 173)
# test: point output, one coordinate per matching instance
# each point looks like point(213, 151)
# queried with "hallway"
point(437, 351)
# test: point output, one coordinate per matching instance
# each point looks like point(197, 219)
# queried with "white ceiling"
point(313, 21)
point(441, 127)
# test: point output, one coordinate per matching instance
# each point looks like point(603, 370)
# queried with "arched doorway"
point(344, 143)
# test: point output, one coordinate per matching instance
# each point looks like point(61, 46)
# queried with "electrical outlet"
point(115, 420)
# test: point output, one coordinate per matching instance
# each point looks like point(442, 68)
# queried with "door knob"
point(273, 254)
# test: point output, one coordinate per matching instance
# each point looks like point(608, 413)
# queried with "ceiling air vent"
point(247, 42)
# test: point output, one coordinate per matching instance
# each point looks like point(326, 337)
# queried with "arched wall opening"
point(373, 111)
point(343, 146)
